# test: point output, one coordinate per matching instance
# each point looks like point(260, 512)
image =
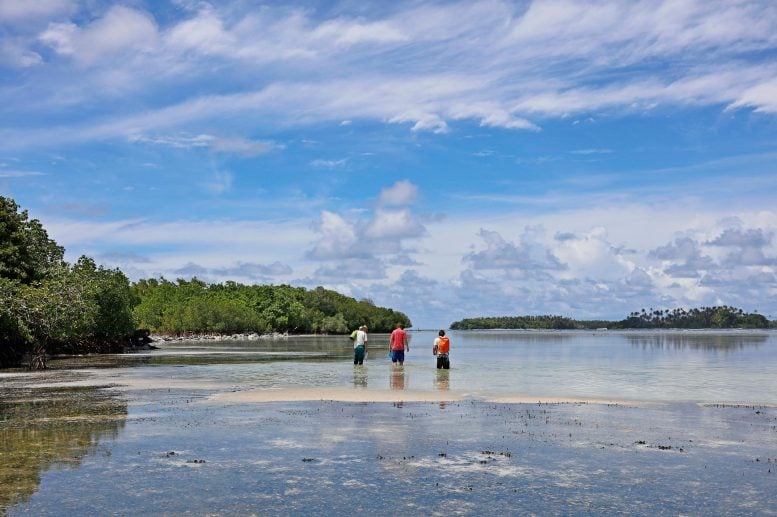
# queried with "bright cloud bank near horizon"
point(445, 159)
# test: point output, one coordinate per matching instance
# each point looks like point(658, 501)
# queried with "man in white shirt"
point(360, 345)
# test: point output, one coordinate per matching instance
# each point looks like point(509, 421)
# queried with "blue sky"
point(447, 159)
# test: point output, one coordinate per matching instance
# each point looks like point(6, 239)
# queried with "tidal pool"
point(630, 423)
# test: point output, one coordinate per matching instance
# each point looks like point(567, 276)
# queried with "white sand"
point(334, 394)
point(371, 395)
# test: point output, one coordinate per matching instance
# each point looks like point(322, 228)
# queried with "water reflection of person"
point(443, 381)
point(360, 377)
point(397, 378)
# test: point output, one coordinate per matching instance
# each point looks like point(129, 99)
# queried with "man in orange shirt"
point(398, 343)
point(442, 347)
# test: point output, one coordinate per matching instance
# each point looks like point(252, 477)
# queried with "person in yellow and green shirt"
point(360, 345)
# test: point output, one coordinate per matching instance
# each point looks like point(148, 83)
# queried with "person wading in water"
point(398, 343)
point(442, 347)
point(360, 345)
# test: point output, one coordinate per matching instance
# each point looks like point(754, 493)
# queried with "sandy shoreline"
point(376, 395)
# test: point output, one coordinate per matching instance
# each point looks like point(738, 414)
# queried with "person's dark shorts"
point(397, 356)
point(358, 355)
point(443, 362)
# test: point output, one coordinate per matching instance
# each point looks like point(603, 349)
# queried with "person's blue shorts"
point(397, 356)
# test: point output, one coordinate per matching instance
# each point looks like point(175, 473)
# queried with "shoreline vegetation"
point(48, 306)
point(717, 317)
point(195, 307)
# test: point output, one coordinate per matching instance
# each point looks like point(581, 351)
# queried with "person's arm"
point(365, 342)
point(407, 343)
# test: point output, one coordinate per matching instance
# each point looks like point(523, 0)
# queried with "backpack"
point(353, 335)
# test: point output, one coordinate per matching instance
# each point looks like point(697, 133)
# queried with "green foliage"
point(57, 311)
point(76, 309)
point(26, 252)
point(185, 307)
point(48, 305)
point(334, 324)
point(705, 317)
point(13, 334)
point(108, 294)
point(515, 322)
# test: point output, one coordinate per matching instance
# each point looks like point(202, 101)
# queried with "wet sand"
point(226, 393)
point(388, 395)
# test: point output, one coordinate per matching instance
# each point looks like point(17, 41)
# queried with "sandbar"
point(255, 396)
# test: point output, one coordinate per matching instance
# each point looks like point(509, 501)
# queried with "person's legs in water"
point(358, 355)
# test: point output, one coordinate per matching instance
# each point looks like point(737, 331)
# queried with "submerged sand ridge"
point(383, 395)
point(224, 391)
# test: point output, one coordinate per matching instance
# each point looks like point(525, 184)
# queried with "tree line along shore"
point(717, 317)
point(49, 306)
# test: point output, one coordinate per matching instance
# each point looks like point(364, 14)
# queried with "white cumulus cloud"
point(400, 193)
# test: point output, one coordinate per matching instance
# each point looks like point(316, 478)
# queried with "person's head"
point(363, 328)
point(399, 325)
point(441, 333)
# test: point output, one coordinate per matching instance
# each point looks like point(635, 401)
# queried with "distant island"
point(717, 317)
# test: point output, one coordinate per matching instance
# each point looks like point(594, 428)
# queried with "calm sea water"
point(69, 447)
point(695, 366)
